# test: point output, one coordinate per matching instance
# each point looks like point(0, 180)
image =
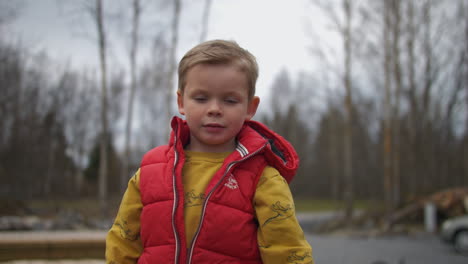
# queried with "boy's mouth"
point(214, 125)
point(213, 128)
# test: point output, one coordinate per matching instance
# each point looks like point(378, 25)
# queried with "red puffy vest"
point(227, 232)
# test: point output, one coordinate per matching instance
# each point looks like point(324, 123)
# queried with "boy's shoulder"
point(157, 154)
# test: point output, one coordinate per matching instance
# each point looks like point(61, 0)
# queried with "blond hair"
point(220, 52)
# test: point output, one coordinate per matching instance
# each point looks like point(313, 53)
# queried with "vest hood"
point(278, 152)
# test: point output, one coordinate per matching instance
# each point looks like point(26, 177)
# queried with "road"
point(420, 249)
point(337, 249)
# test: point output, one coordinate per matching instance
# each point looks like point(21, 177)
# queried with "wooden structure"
point(52, 245)
point(449, 203)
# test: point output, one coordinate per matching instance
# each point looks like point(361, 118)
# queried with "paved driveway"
point(421, 249)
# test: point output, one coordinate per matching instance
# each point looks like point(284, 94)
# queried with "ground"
point(341, 248)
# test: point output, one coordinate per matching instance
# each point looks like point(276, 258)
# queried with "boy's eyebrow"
point(204, 90)
point(196, 90)
point(234, 93)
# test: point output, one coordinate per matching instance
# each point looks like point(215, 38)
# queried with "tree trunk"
point(104, 132)
point(50, 167)
point(387, 130)
point(413, 107)
point(428, 148)
point(333, 155)
point(396, 199)
point(173, 63)
point(348, 194)
point(464, 76)
point(133, 83)
point(206, 19)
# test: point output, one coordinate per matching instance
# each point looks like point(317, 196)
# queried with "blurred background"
point(373, 94)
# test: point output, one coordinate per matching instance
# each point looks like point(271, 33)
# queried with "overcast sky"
point(273, 30)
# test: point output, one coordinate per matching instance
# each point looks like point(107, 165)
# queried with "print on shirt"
point(281, 212)
point(281, 178)
point(125, 231)
point(263, 246)
point(298, 259)
point(231, 183)
point(192, 199)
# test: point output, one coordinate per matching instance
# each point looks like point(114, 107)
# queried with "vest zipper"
point(205, 203)
point(176, 200)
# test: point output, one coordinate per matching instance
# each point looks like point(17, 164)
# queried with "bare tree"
point(96, 13)
point(81, 119)
point(133, 83)
point(464, 76)
point(333, 150)
point(348, 194)
point(411, 92)
point(9, 10)
point(391, 126)
point(152, 97)
point(172, 61)
point(428, 85)
point(282, 92)
point(344, 28)
point(387, 123)
point(397, 74)
point(205, 20)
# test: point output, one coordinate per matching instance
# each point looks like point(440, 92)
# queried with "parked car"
point(455, 232)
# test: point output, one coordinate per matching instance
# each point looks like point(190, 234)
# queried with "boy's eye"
point(200, 98)
point(231, 100)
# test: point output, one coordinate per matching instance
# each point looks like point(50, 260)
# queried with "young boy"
point(218, 192)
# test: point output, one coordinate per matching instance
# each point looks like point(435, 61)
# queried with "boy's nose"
point(214, 108)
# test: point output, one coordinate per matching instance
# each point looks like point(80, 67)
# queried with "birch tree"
point(133, 55)
point(205, 20)
point(348, 194)
point(96, 13)
point(397, 76)
point(463, 77)
point(343, 26)
point(172, 61)
point(411, 92)
point(388, 131)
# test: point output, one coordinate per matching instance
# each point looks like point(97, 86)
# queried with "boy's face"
point(215, 103)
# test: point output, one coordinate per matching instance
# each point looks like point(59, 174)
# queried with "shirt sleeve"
point(123, 243)
point(280, 237)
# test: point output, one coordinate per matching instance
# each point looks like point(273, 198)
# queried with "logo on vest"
point(231, 183)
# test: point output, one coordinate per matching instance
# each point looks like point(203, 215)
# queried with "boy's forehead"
point(216, 77)
point(217, 71)
point(227, 64)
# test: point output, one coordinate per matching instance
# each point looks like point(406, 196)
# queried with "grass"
point(86, 206)
point(320, 205)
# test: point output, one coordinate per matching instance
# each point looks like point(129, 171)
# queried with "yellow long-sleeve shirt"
point(280, 237)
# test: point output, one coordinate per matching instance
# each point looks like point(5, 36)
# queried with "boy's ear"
point(252, 107)
point(180, 102)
